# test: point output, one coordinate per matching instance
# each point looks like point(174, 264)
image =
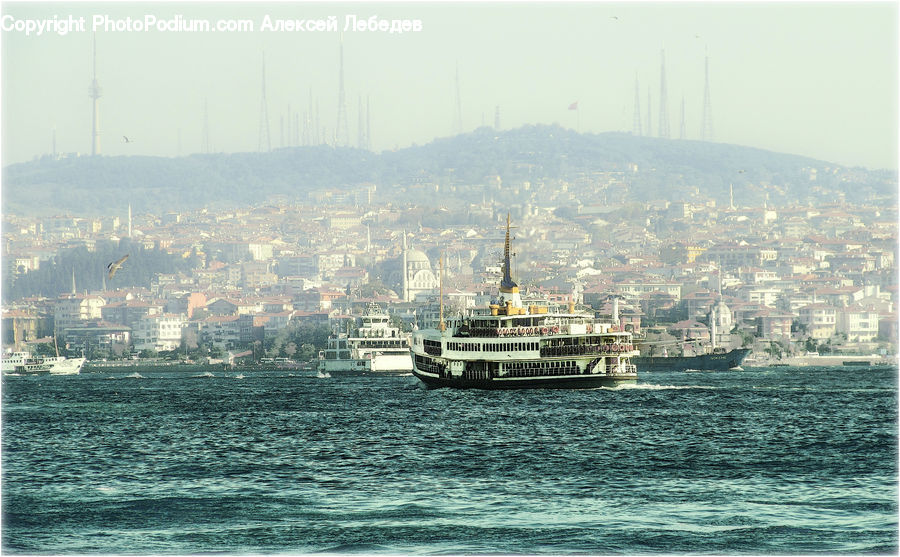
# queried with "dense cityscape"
point(274, 279)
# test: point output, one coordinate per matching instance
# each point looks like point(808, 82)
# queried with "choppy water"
point(757, 462)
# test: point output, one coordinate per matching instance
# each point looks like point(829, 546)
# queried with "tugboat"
point(510, 346)
point(377, 349)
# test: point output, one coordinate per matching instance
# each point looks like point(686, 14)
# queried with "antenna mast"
point(457, 115)
point(663, 101)
point(94, 92)
point(442, 326)
point(341, 132)
point(636, 124)
point(706, 134)
point(265, 137)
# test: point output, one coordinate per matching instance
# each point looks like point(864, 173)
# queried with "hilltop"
point(656, 169)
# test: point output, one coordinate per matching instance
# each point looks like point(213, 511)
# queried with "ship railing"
point(582, 349)
point(621, 369)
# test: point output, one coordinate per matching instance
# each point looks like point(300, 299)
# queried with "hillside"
point(667, 169)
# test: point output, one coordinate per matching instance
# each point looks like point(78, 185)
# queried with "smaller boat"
point(23, 363)
point(377, 348)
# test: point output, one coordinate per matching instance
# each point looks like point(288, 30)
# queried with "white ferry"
point(378, 349)
point(23, 363)
point(510, 346)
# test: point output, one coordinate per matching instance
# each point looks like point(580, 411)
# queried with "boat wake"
point(204, 375)
point(239, 376)
point(649, 387)
point(321, 375)
point(134, 375)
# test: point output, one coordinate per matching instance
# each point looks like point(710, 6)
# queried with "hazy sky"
point(809, 78)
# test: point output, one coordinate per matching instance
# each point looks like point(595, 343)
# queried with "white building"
point(73, 310)
point(860, 325)
point(820, 320)
point(766, 296)
point(160, 332)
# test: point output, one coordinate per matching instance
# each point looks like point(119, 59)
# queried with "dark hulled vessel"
point(714, 361)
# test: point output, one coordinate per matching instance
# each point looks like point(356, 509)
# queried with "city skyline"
point(811, 79)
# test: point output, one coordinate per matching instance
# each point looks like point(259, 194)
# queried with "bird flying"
point(115, 265)
point(125, 137)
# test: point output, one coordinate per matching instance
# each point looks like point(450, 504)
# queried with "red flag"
point(573, 106)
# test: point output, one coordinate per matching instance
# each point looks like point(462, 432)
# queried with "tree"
point(307, 353)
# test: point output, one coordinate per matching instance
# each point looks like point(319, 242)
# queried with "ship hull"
point(385, 364)
point(702, 362)
point(432, 381)
point(57, 365)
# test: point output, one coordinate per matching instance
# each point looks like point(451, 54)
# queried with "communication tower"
point(94, 92)
point(360, 126)
point(342, 130)
point(663, 101)
point(681, 134)
point(706, 134)
point(205, 138)
point(457, 114)
point(636, 125)
point(265, 136)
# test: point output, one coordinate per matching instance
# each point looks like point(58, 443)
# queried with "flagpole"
point(574, 106)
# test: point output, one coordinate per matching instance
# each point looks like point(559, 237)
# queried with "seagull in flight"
point(115, 265)
point(125, 137)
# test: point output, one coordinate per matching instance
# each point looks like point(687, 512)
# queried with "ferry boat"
point(23, 363)
point(510, 346)
point(377, 348)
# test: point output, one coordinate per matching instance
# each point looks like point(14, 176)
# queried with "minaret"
point(731, 196)
point(129, 220)
point(405, 283)
point(507, 286)
point(649, 114)
point(94, 92)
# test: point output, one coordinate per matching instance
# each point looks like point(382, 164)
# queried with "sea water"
point(780, 460)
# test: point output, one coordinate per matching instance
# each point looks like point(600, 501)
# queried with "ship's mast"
point(442, 327)
point(507, 285)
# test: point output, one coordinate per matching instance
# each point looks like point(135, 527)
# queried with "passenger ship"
point(510, 346)
point(23, 363)
point(377, 348)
